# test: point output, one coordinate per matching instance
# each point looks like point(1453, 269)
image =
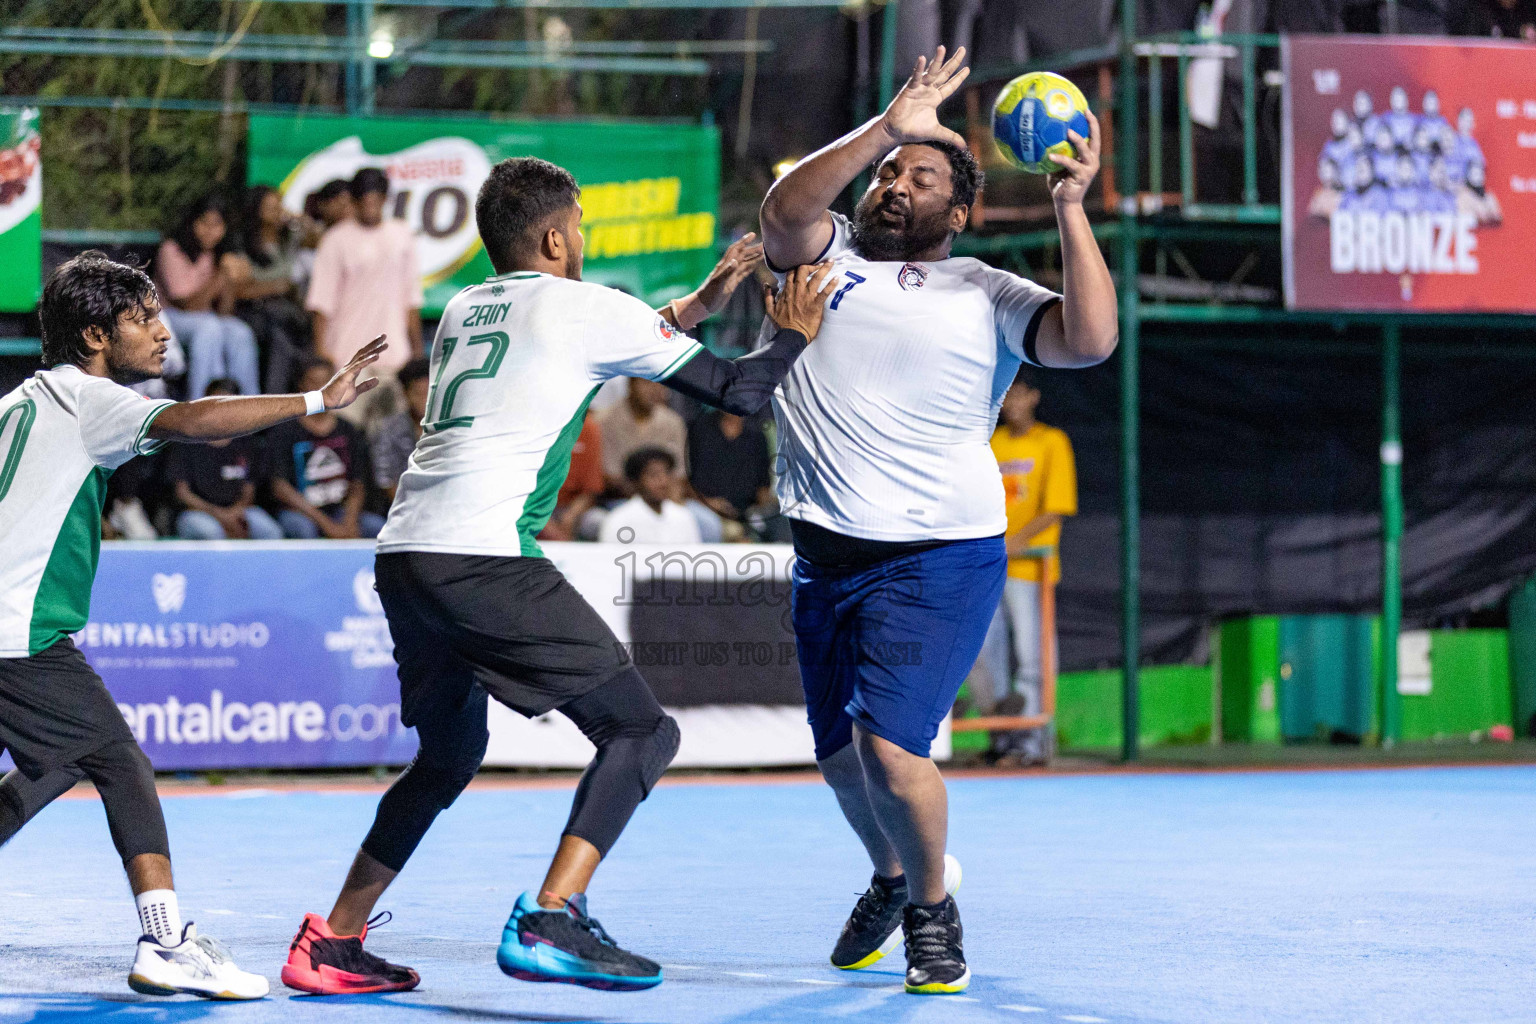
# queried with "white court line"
point(1083, 1019)
point(680, 967)
point(818, 981)
point(962, 999)
point(746, 974)
point(1023, 1009)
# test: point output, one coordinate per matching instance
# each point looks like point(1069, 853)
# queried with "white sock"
point(160, 916)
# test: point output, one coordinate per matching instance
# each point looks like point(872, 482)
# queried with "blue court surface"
point(1351, 896)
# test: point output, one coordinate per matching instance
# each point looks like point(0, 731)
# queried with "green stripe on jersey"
point(63, 602)
point(680, 362)
point(539, 505)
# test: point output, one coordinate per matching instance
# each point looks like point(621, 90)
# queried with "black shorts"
point(513, 625)
point(54, 710)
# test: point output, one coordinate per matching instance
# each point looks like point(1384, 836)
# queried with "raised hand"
point(1070, 184)
point(913, 115)
point(802, 300)
point(741, 258)
point(344, 388)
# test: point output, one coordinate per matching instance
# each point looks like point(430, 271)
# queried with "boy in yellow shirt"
point(1040, 483)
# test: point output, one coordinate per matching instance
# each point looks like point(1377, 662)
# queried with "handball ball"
point(1031, 119)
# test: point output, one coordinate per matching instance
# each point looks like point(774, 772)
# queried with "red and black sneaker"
point(327, 964)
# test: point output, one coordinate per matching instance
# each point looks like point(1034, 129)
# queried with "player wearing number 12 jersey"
point(894, 499)
point(475, 609)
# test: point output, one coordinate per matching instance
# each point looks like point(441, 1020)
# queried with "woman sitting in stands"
point(271, 251)
point(198, 278)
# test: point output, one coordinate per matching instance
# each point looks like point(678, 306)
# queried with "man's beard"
point(880, 242)
point(572, 261)
point(125, 372)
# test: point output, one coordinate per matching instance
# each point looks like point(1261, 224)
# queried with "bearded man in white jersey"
point(894, 499)
point(62, 434)
point(475, 609)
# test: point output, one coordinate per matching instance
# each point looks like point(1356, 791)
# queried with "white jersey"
point(885, 422)
point(516, 361)
point(62, 433)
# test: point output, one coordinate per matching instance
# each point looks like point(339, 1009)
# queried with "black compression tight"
point(635, 742)
point(123, 778)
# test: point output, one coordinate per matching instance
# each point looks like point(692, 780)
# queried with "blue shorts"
point(889, 645)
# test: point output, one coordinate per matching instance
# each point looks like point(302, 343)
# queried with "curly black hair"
point(640, 460)
point(515, 207)
point(91, 290)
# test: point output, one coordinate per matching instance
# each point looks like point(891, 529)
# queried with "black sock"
point(899, 882)
point(932, 908)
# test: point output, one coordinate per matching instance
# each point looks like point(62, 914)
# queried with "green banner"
point(649, 192)
point(21, 218)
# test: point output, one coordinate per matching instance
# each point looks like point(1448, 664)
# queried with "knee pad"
point(659, 750)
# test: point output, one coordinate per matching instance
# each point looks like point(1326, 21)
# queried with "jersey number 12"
point(444, 397)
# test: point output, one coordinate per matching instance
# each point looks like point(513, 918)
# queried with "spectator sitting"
point(197, 279)
point(397, 436)
point(366, 283)
point(728, 464)
point(645, 420)
point(651, 516)
point(266, 293)
point(320, 471)
point(642, 420)
point(216, 485)
point(583, 485)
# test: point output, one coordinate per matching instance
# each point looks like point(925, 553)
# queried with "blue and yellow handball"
point(1031, 119)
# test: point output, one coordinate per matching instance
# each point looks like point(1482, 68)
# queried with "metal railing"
point(1169, 190)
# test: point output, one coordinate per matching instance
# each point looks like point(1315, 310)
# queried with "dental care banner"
point(21, 219)
point(650, 192)
point(277, 654)
point(1410, 174)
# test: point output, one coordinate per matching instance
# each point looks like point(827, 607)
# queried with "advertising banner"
point(1410, 174)
point(650, 192)
point(252, 654)
point(21, 218)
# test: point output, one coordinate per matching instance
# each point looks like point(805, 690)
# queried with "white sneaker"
point(199, 965)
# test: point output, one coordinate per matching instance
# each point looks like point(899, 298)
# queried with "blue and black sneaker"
point(568, 946)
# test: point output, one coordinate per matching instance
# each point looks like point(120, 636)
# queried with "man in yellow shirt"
point(1040, 483)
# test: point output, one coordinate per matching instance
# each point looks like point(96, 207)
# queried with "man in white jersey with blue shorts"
point(475, 609)
point(888, 479)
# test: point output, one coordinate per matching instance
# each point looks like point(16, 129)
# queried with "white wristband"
point(314, 403)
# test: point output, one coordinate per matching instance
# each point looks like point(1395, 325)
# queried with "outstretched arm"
point(215, 419)
point(741, 259)
point(796, 225)
point(1082, 329)
point(743, 386)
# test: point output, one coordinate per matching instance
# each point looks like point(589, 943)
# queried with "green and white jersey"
point(516, 361)
point(62, 433)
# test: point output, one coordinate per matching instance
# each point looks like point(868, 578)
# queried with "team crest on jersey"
point(497, 289)
point(912, 276)
point(665, 331)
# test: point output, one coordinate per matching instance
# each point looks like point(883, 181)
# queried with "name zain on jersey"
point(485, 316)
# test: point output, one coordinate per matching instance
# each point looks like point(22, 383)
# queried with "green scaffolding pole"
point(1391, 529)
point(1130, 396)
point(888, 52)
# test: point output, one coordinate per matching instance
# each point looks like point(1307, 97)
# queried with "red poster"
point(1410, 174)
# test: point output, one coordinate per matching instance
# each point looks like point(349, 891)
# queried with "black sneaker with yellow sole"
point(873, 930)
point(935, 952)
